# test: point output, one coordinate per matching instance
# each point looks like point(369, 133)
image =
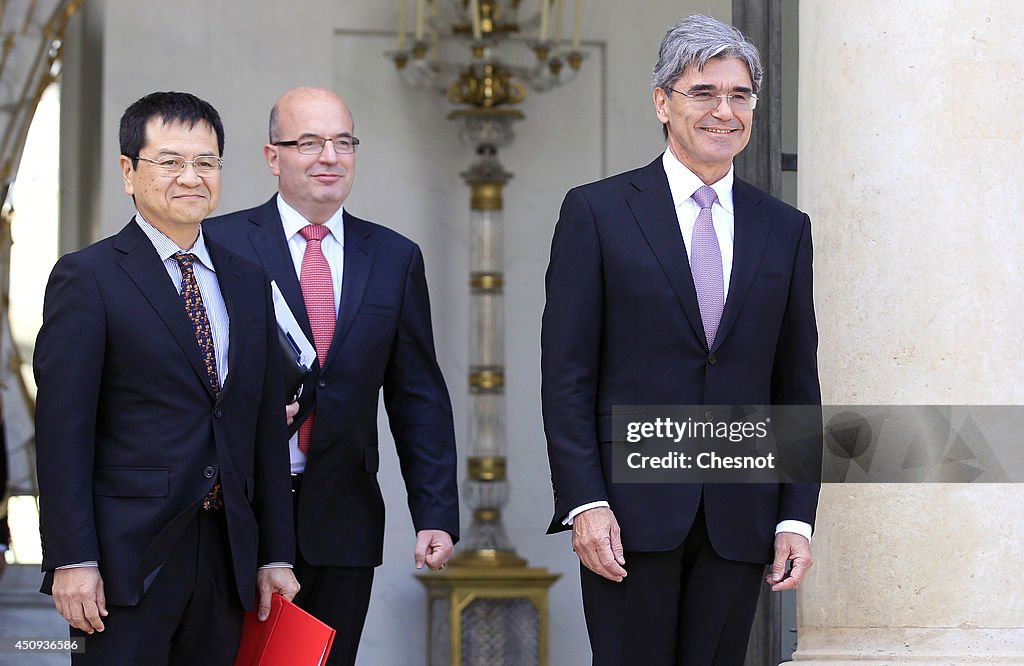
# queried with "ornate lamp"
point(489, 607)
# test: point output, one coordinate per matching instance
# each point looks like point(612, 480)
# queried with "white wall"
point(241, 56)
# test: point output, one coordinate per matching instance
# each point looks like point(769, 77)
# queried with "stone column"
point(911, 159)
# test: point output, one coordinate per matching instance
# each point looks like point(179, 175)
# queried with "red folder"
point(289, 637)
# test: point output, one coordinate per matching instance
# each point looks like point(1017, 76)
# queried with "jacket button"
point(712, 359)
point(322, 383)
point(217, 413)
point(209, 471)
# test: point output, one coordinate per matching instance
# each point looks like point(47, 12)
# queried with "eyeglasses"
point(742, 101)
point(308, 144)
point(205, 165)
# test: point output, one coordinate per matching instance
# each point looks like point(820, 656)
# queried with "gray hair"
point(272, 131)
point(694, 41)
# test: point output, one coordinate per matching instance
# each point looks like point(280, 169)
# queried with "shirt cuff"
point(580, 509)
point(79, 565)
point(796, 527)
point(277, 565)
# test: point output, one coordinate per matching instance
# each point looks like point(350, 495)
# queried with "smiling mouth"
point(719, 130)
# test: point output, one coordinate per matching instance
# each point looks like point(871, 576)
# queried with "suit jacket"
point(382, 339)
point(622, 327)
point(129, 436)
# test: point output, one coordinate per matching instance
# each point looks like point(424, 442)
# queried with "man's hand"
point(271, 580)
point(78, 596)
point(597, 541)
point(290, 410)
point(433, 548)
point(789, 546)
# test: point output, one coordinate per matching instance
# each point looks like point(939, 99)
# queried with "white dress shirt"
point(683, 183)
point(333, 246)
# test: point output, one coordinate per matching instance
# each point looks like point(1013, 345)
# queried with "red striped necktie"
point(318, 293)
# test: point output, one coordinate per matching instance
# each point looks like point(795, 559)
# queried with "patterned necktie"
point(706, 264)
point(196, 312)
point(318, 293)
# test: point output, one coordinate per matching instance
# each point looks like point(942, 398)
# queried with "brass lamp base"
point(487, 615)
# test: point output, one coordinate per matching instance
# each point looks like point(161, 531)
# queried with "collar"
point(293, 221)
point(683, 182)
point(166, 248)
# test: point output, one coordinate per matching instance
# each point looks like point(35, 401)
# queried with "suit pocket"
point(771, 281)
point(131, 482)
point(378, 310)
point(371, 457)
point(606, 425)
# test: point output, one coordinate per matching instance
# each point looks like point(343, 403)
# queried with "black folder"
point(294, 371)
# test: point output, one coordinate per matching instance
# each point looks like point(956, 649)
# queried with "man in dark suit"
point(359, 293)
point(162, 447)
point(678, 284)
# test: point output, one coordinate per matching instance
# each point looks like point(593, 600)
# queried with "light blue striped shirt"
point(209, 287)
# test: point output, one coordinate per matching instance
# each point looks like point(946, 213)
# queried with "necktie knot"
point(315, 232)
point(185, 260)
point(705, 197)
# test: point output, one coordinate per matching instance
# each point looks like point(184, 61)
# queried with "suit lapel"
point(143, 266)
point(236, 299)
point(272, 247)
point(652, 207)
point(355, 275)
point(750, 238)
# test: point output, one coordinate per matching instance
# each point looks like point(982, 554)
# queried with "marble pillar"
point(911, 157)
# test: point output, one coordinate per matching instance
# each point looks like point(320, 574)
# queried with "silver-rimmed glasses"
point(205, 165)
point(705, 100)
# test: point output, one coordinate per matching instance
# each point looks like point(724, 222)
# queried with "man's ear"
point(270, 154)
point(661, 105)
point(128, 172)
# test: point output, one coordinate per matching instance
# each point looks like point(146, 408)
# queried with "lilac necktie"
point(706, 264)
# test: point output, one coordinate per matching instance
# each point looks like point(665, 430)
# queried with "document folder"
point(297, 353)
point(289, 637)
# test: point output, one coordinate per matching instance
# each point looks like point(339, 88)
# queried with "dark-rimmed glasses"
point(309, 144)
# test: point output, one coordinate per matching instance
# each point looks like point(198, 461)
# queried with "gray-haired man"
point(678, 284)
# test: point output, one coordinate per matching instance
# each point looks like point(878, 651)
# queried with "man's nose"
point(329, 154)
point(189, 175)
point(724, 108)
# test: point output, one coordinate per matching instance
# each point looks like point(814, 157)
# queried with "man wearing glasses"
point(163, 478)
point(678, 284)
point(359, 293)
